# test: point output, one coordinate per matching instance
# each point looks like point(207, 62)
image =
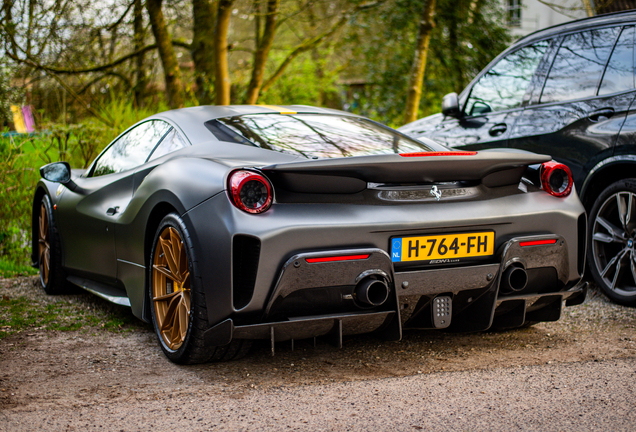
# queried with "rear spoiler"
point(350, 175)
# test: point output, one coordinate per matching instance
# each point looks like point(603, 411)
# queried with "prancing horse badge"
point(436, 193)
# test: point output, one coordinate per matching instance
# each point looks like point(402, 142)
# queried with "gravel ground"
point(575, 374)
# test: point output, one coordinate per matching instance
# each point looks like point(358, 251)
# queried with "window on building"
point(514, 13)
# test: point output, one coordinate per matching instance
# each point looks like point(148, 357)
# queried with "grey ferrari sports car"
point(221, 225)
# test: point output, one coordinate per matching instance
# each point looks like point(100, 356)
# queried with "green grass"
point(10, 269)
point(20, 313)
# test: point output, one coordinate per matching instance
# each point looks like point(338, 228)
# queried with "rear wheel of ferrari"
point(612, 242)
point(52, 275)
point(179, 313)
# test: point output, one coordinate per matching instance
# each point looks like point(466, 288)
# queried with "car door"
point(94, 206)
point(494, 102)
point(577, 116)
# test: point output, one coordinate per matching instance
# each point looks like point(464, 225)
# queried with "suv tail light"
point(556, 179)
point(250, 191)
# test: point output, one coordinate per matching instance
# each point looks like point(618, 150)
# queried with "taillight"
point(250, 191)
point(556, 179)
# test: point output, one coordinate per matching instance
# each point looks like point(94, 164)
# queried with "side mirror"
point(58, 172)
point(450, 105)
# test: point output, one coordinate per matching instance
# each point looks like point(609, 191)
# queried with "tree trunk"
point(457, 67)
point(222, 73)
point(588, 8)
point(204, 19)
point(141, 79)
point(172, 74)
point(419, 61)
point(262, 51)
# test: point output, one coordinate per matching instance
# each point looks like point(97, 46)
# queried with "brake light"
point(556, 179)
point(337, 258)
point(451, 153)
point(538, 242)
point(250, 191)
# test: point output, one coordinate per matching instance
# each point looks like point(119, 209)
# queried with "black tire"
point(49, 250)
point(189, 346)
point(611, 251)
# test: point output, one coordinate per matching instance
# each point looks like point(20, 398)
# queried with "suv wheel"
point(612, 241)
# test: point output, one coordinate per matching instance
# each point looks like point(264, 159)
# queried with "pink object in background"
point(28, 118)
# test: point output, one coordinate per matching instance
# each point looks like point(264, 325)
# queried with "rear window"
point(313, 135)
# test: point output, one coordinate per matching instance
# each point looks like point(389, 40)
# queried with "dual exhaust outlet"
point(372, 292)
point(513, 279)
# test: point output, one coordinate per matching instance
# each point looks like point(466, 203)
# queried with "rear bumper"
point(474, 295)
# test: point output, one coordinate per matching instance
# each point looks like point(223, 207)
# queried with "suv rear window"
point(619, 75)
point(578, 65)
point(313, 135)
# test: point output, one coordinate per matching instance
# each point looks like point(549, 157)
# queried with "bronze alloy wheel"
point(44, 246)
point(171, 288)
point(614, 243)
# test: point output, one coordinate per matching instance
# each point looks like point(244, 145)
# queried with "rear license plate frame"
point(420, 253)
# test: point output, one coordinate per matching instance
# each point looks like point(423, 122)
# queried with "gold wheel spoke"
point(167, 252)
point(175, 337)
point(165, 297)
point(186, 298)
point(170, 313)
point(43, 222)
point(44, 248)
point(183, 320)
point(175, 243)
point(166, 272)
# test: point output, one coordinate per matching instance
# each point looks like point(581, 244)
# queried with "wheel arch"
point(604, 174)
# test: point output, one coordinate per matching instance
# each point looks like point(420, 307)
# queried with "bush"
point(22, 155)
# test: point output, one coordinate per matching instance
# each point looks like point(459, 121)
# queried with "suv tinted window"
point(578, 65)
point(132, 149)
point(619, 75)
point(505, 84)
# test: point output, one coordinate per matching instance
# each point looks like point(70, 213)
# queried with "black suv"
point(567, 91)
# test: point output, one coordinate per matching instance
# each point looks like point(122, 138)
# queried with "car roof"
point(622, 17)
point(192, 120)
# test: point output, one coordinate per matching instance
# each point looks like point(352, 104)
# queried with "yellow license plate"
point(443, 247)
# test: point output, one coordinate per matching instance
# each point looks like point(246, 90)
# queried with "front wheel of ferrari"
point(49, 248)
point(178, 309)
point(612, 241)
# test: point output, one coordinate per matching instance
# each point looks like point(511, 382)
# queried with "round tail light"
point(250, 191)
point(556, 179)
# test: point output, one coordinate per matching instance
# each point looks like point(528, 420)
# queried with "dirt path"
point(580, 369)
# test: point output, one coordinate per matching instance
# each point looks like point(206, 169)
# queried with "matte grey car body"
point(301, 268)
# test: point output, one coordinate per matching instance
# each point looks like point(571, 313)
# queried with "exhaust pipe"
point(514, 279)
point(371, 292)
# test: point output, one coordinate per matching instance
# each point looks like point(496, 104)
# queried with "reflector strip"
point(337, 258)
point(278, 109)
point(423, 154)
point(537, 242)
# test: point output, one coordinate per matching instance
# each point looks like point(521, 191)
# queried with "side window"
point(619, 75)
point(578, 65)
point(505, 84)
point(172, 142)
point(132, 149)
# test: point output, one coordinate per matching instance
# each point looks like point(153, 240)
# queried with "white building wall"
point(536, 16)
